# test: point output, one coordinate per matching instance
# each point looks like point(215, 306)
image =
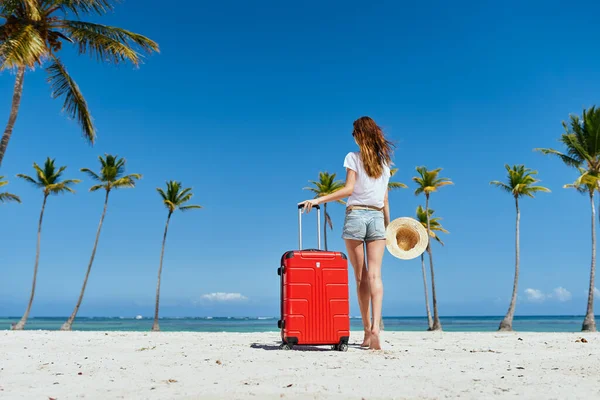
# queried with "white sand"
point(119, 365)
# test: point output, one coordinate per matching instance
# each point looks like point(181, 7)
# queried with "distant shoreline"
point(552, 323)
point(270, 317)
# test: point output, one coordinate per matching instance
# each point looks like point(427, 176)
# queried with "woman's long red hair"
point(375, 149)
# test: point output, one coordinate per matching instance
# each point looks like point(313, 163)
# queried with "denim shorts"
point(365, 225)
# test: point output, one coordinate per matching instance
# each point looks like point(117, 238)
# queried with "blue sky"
point(247, 102)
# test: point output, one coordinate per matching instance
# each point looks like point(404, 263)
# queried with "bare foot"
point(367, 341)
point(375, 344)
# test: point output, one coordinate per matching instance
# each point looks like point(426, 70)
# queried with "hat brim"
point(391, 240)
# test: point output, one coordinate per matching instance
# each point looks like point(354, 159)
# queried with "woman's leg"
point(375, 250)
point(357, 259)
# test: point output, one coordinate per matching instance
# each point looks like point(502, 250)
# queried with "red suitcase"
point(314, 295)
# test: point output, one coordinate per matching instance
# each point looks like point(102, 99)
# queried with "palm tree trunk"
point(506, 324)
point(429, 320)
point(14, 111)
point(155, 326)
point(325, 225)
point(67, 326)
point(437, 324)
point(589, 324)
point(21, 324)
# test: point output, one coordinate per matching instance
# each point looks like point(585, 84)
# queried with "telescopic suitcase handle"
point(300, 208)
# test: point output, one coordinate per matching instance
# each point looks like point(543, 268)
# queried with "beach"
point(185, 365)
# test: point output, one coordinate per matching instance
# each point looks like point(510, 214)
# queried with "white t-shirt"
point(367, 191)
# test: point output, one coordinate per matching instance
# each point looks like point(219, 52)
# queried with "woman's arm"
point(386, 210)
point(344, 192)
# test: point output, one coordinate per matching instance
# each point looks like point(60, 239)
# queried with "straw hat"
point(406, 238)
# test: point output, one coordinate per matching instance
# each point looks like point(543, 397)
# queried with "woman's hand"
point(308, 204)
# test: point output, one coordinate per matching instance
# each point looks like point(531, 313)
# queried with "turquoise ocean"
point(269, 324)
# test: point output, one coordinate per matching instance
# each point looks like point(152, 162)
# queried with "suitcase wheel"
point(285, 346)
point(340, 347)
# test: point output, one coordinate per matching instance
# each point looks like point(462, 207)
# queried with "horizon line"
point(270, 316)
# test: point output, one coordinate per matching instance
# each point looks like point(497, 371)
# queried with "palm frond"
point(570, 161)
point(78, 7)
point(190, 207)
point(520, 181)
point(126, 181)
point(23, 48)
point(183, 199)
point(428, 181)
point(162, 193)
point(586, 182)
point(535, 189)
point(312, 189)
point(502, 186)
point(576, 146)
point(327, 184)
point(49, 178)
point(8, 7)
point(396, 185)
point(64, 186)
point(32, 9)
point(6, 197)
point(75, 105)
point(98, 187)
point(328, 221)
point(434, 223)
point(46, 172)
point(169, 204)
point(91, 173)
point(108, 43)
point(579, 188)
point(184, 195)
point(29, 179)
point(175, 197)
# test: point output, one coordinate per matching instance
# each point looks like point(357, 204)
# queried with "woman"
point(367, 216)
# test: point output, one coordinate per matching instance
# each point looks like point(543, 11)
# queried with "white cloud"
point(535, 295)
point(596, 293)
point(561, 294)
point(224, 297)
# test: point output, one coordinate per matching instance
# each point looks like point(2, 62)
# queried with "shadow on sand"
point(275, 346)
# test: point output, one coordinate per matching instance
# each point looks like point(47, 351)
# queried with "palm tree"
point(395, 185)
point(5, 196)
point(582, 145)
point(174, 198)
point(436, 226)
point(587, 183)
point(521, 182)
point(33, 34)
point(111, 177)
point(324, 186)
point(49, 180)
point(427, 183)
